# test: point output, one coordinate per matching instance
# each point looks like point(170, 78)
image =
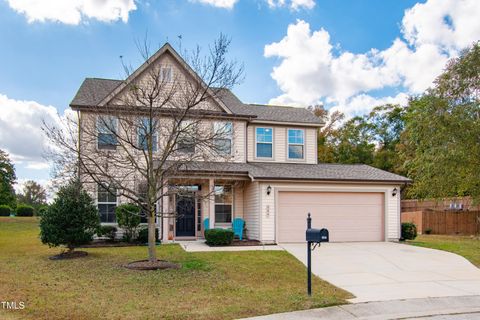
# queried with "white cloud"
point(363, 103)
point(73, 11)
point(20, 130)
point(293, 4)
point(311, 72)
point(225, 4)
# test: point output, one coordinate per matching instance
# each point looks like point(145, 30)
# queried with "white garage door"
point(348, 216)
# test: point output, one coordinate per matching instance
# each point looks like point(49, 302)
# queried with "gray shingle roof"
point(267, 112)
point(294, 171)
point(94, 90)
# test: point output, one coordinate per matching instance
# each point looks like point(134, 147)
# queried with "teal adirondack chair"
point(206, 224)
point(237, 225)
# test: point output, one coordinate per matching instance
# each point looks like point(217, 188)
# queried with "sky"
point(348, 55)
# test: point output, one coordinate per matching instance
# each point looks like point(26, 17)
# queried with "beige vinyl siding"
point(280, 144)
point(239, 128)
point(268, 203)
point(237, 202)
point(251, 207)
point(311, 146)
point(250, 143)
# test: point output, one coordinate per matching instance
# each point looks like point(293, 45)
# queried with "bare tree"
point(154, 125)
point(33, 194)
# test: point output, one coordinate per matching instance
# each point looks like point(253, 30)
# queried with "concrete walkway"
point(379, 271)
point(201, 246)
point(447, 308)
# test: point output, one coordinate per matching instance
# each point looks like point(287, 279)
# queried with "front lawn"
point(216, 285)
point(468, 247)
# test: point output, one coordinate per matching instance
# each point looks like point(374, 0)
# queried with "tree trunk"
point(152, 250)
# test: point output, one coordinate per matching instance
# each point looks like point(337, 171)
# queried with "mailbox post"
point(309, 257)
point(314, 237)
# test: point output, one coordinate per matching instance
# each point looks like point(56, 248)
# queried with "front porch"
point(205, 202)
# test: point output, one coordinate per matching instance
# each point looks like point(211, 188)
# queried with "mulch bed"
point(147, 265)
point(242, 243)
point(245, 243)
point(69, 255)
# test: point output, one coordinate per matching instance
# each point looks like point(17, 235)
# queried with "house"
point(273, 178)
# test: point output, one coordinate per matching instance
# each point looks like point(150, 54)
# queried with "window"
point(166, 74)
point(223, 204)
point(186, 141)
point(264, 141)
point(296, 143)
point(223, 137)
point(142, 189)
point(106, 202)
point(143, 131)
point(106, 132)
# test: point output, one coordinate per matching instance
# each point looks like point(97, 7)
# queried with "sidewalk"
point(201, 246)
point(466, 307)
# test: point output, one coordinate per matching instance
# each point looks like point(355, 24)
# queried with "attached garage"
point(349, 216)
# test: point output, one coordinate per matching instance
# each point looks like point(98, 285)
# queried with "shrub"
point(5, 210)
point(128, 218)
point(219, 237)
point(107, 231)
point(41, 209)
point(428, 231)
point(409, 231)
point(143, 235)
point(71, 220)
point(24, 210)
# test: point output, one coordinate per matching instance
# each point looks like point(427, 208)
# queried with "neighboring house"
point(273, 179)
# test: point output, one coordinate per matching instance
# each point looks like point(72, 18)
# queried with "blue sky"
point(348, 55)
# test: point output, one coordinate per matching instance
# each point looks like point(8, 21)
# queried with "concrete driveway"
point(378, 271)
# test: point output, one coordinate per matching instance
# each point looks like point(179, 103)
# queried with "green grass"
point(216, 285)
point(468, 247)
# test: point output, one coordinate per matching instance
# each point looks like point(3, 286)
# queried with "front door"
point(185, 225)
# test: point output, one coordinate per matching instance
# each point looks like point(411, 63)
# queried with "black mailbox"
point(317, 235)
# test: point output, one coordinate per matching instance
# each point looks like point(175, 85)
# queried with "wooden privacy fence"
point(445, 222)
point(466, 203)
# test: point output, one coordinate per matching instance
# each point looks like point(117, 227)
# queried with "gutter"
point(332, 180)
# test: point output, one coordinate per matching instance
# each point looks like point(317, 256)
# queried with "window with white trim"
point(264, 142)
point(223, 137)
point(223, 203)
point(144, 127)
point(106, 132)
point(106, 203)
point(296, 144)
point(186, 138)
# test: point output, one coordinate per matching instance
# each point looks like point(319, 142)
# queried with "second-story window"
point(296, 143)
point(223, 136)
point(147, 127)
point(186, 137)
point(264, 142)
point(107, 132)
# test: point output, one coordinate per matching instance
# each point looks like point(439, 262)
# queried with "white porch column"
point(165, 208)
point(211, 202)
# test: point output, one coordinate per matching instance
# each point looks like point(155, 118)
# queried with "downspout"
point(79, 117)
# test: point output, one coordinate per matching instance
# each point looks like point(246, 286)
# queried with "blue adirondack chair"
point(206, 224)
point(238, 224)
